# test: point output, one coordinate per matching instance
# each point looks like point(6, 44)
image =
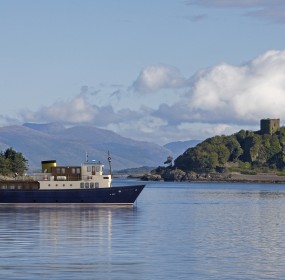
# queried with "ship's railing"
point(43, 177)
point(18, 177)
point(50, 177)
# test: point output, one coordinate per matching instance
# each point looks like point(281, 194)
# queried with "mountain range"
point(69, 146)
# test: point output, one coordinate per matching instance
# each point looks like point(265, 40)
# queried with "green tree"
point(234, 148)
point(5, 167)
point(202, 158)
point(12, 162)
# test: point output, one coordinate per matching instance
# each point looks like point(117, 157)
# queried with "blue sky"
point(159, 70)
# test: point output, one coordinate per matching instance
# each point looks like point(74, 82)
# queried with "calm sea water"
point(176, 231)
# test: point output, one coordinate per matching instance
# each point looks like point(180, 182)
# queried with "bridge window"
point(86, 185)
point(96, 185)
point(82, 185)
point(91, 185)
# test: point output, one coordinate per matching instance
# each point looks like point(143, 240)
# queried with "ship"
point(85, 184)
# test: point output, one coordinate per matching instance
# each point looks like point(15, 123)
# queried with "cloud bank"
point(241, 93)
point(227, 94)
point(156, 77)
point(221, 99)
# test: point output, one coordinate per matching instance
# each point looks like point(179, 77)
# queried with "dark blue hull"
point(114, 195)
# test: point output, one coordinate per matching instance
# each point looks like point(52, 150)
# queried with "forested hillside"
point(245, 152)
point(245, 149)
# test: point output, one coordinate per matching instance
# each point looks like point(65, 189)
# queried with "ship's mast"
point(110, 163)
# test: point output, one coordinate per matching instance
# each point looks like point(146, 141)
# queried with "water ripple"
point(197, 231)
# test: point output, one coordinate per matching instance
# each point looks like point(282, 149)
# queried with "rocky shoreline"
point(216, 177)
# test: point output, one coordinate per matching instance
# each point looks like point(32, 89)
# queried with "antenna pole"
point(110, 165)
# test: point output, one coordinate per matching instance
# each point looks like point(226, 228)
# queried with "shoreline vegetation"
point(223, 178)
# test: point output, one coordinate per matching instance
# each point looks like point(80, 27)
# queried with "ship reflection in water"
point(67, 241)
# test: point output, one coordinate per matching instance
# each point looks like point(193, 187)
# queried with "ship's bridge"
point(89, 169)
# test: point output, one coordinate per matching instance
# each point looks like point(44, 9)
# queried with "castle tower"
point(269, 126)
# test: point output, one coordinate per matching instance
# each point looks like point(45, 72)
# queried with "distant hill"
point(68, 146)
point(178, 147)
point(245, 149)
point(223, 157)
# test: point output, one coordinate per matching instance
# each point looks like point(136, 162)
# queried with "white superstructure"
point(88, 175)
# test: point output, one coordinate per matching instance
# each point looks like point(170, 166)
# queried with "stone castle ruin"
point(269, 126)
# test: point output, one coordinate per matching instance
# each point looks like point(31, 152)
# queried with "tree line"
point(12, 163)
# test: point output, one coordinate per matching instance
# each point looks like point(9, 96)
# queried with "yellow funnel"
point(47, 165)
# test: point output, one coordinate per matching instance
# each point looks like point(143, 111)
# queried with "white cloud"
point(156, 77)
point(144, 128)
point(80, 110)
point(77, 110)
point(245, 93)
point(219, 100)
